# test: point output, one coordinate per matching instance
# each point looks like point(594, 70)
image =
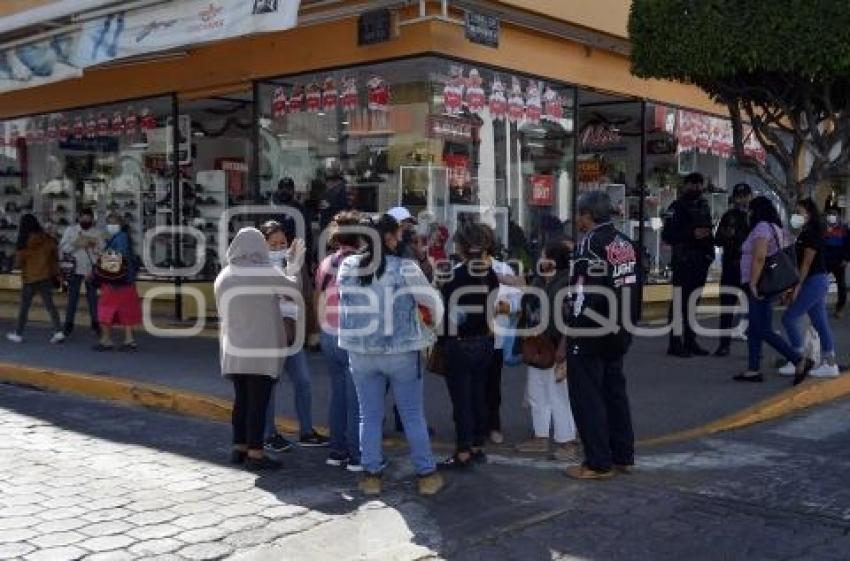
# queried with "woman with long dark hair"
point(381, 295)
point(809, 297)
point(766, 238)
point(38, 259)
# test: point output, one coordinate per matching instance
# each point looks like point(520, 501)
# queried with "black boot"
point(676, 348)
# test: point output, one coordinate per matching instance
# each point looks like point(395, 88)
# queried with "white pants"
point(550, 405)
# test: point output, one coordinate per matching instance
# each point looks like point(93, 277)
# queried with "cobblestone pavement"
point(87, 479)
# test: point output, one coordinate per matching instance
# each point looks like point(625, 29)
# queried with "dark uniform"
point(606, 259)
point(690, 261)
point(730, 236)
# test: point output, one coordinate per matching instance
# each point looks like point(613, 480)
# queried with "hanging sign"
point(542, 190)
point(482, 29)
point(38, 63)
point(374, 27)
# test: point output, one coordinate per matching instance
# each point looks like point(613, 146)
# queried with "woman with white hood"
point(251, 336)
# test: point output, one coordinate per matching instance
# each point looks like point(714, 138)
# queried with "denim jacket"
point(383, 317)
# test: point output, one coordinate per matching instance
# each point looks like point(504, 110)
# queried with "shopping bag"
point(811, 345)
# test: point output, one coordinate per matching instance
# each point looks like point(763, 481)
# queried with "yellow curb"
point(810, 393)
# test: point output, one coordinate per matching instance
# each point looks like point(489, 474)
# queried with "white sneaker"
point(58, 337)
point(14, 337)
point(825, 370)
point(788, 370)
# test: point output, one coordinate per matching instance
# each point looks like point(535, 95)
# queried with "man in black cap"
point(730, 236)
point(687, 229)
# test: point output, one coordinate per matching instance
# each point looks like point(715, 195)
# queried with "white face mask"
point(277, 257)
point(113, 229)
point(831, 219)
point(797, 221)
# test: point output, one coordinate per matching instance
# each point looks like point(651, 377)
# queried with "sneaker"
point(277, 443)
point(58, 337)
point(534, 446)
point(337, 459)
point(825, 370)
point(354, 466)
point(313, 440)
point(584, 472)
point(430, 484)
point(14, 337)
point(788, 370)
point(370, 484)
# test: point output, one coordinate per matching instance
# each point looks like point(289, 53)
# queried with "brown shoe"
point(370, 484)
point(534, 446)
point(430, 484)
point(567, 452)
point(625, 469)
point(584, 472)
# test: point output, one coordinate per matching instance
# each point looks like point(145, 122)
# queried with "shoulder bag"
point(780, 272)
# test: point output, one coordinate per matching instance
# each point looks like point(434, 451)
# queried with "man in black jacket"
point(730, 236)
point(687, 229)
point(605, 276)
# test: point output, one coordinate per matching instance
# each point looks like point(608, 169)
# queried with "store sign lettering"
point(600, 136)
point(542, 190)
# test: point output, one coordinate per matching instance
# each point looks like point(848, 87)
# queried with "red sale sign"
point(542, 190)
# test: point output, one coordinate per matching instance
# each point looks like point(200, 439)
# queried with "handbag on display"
point(780, 272)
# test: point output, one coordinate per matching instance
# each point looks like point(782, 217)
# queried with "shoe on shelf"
point(430, 484)
point(496, 437)
point(313, 440)
point(584, 472)
point(354, 466)
point(788, 370)
point(58, 337)
point(337, 459)
point(14, 337)
point(533, 446)
point(370, 484)
point(277, 443)
point(825, 370)
point(262, 463)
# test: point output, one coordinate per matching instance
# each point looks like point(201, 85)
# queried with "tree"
point(782, 65)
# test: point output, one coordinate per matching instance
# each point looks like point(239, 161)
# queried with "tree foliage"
point(782, 65)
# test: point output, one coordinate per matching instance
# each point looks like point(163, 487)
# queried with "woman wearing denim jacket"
point(380, 299)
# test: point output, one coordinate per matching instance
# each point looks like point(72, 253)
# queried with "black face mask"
point(85, 225)
point(692, 194)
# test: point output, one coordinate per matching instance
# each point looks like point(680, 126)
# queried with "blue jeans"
point(403, 371)
point(812, 301)
point(760, 330)
point(344, 414)
point(75, 283)
point(299, 373)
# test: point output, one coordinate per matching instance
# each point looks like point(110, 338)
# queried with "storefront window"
point(449, 141)
point(111, 158)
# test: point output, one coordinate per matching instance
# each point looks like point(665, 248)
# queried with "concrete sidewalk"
point(668, 395)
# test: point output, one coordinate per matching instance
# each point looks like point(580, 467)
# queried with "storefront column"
point(576, 149)
point(177, 202)
point(642, 185)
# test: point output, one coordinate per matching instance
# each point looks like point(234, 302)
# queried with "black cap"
point(742, 190)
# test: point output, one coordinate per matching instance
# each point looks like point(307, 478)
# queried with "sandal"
point(455, 463)
point(744, 377)
point(101, 348)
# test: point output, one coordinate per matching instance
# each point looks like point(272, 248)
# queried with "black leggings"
point(249, 409)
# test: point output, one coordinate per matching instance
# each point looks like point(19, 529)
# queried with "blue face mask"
point(113, 229)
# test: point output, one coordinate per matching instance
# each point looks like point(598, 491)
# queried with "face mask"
point(113, 229)
point(85, 225)
point(831, 219)
point(797, 221)
point(277, 257)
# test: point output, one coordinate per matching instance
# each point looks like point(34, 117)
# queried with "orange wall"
point(236, 62)
point(8, 7)
point(607, 16)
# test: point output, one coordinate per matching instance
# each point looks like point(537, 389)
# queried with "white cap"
point(401, 214)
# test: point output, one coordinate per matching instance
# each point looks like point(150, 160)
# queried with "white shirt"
point(510, 294)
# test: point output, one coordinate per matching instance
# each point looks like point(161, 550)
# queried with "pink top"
point(761, 231)
point(326, 285)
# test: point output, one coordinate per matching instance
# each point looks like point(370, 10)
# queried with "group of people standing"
point(382, 308)
point(101, 260)
point(753, 239)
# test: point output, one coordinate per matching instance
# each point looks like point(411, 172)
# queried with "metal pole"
point(176, 202)
point(255, 139)
point(642, 207)
point(574, 201)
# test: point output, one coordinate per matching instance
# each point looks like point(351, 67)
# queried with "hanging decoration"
point(51, 130)
point(330, 96)
point(553, 107)
point(314, 97)
point(350, 96)
point(117, 124)
point(534, 103)
point(516, 103)
point(14, 135)
point(103, 125)
point(476, 100)
point(453, 91)
point(278, 103)
point(64, 129)
point(131, 122)
point(498, 102)
point(91, 126)
point(379, 101)
point(296, 100)
point(147, 121)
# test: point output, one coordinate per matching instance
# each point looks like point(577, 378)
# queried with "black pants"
point(494, 391)
point(729, 278)
point(469, 367)
point(75, 285)
point(28, 292)
point(838, 271)
point(249, 409)
point(601, 410)
point(688, 279)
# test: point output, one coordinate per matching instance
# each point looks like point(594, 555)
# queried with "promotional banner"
point(41, 62)
point(178, 24)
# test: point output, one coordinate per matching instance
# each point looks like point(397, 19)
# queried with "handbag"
point(111, 265)
point(538, 351)
point(436, 363)
point(779, 273)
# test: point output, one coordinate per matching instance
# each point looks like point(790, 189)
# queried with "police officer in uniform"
point(731, 233)
point(687, 229)
point(605, 274)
